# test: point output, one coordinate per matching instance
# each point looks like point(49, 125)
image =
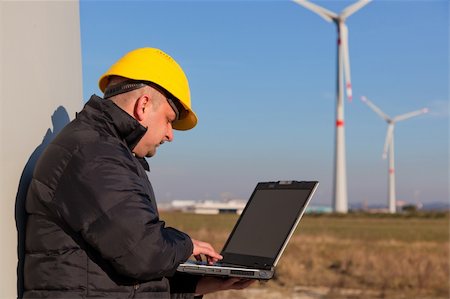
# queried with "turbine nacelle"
point(330, 16)
point(342, 29)
point(391, 121)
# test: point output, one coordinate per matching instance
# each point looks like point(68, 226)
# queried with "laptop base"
point(225, 271)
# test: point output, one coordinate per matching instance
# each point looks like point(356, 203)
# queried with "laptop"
point(261, 233)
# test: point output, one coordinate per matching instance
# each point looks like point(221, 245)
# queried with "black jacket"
point(93, 228)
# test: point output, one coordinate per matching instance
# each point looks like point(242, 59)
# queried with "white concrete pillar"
point(40, 90)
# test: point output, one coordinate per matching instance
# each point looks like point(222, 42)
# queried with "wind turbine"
point(389, 145)
point(340, 201)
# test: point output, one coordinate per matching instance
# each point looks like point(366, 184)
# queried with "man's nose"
point(169, 134)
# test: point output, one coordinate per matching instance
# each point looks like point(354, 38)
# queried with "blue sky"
point(263, 77)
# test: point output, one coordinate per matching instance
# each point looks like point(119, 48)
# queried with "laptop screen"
point(267, 221)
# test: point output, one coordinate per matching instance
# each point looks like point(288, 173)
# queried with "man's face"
point(158, 116)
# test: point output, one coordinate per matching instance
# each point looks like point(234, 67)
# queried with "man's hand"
point(207, 250)
point(213, 284)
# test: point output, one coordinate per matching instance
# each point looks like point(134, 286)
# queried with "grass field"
point(348, 256)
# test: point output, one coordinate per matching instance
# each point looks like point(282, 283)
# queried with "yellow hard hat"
point(153, 65)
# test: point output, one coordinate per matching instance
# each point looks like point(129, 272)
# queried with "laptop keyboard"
point(203, 263)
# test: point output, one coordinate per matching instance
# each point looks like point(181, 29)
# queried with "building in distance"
point(210, 207)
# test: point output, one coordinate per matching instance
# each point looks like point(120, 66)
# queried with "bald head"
point(128, 100)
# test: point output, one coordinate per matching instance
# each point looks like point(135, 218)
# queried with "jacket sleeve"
point(102, 197)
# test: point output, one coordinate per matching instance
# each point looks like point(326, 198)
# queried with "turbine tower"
point(340, 201)
point(389, 145)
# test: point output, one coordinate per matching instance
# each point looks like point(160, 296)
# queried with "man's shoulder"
point(78, 134)
point(83, 143)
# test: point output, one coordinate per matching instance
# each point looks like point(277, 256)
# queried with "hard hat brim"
point(186, 123)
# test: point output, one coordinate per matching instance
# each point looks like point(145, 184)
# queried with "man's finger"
point(243, 284)
point(205, 248)
point(238, 283)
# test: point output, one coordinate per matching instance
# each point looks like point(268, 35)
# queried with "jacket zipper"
point(135, 288)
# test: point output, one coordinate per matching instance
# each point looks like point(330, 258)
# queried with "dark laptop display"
point(263, 230)
point(269, 217)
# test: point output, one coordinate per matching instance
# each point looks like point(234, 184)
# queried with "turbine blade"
point(324, 13)
point(375, 109)
point(410, 114)
point(344, 40)
point(388, 140)
point(349, 10)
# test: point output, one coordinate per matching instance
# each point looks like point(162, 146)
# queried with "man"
point(93, 227)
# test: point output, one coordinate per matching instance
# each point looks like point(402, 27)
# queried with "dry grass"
point(417, 268)
point(349, 257)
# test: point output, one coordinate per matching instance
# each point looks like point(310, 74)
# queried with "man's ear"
point(141, 106)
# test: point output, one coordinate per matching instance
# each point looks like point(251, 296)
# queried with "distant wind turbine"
point(340, 201)
point(389, 145)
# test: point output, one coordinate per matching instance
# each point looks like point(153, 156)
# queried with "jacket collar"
point(127, 128)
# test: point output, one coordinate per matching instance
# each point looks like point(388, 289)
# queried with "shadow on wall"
point(60, 118)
